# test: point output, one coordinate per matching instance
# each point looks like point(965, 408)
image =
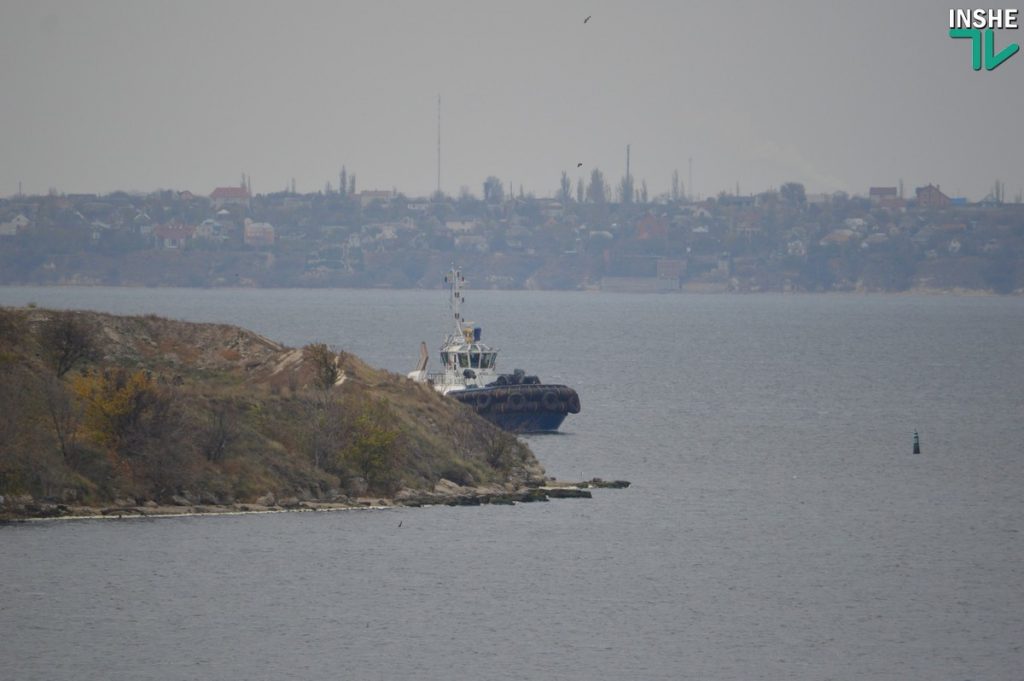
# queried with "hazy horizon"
point(138, 96)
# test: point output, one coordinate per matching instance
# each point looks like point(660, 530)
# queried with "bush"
point(325, 365)
point(66, 341)
point(373, 446)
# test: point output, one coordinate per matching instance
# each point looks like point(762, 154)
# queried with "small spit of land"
point(104, 415)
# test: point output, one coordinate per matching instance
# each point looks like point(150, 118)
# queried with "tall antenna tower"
point(439, 144)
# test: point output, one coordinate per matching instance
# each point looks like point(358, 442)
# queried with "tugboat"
point(515, 402)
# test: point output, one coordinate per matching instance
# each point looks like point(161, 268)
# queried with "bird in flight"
point(587, 19)
point(579, 165)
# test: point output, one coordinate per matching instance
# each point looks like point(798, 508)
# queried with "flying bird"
point(588, 18)
point(579, 165)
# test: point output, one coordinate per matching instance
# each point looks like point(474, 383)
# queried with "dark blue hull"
point(531, 408)
point(537, 422)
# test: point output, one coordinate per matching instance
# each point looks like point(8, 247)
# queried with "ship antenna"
point(455, 298)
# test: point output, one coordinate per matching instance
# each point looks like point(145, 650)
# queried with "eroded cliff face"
point(97, 409)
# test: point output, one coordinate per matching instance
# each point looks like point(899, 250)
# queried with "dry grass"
point(228, 415)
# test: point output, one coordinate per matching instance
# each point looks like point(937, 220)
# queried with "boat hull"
point(539, 422)
point(535, 408)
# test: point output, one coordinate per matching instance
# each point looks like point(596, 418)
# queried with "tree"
point(325, 365)
point(64, 415)
point(579, 190)
point(675, 185)
point(999, 191)
point(596, 189)
point(494, 192)
point(565, 188)
point(324, 425)
point(66, 341)
point(793, 194)
point(626, 189)
point(373, 448)
point(323, 431)
point(643, 191)
point(502, 451)
point(115, 404)
point(219, 434)
point(142, 427)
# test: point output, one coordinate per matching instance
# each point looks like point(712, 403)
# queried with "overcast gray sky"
point(139, 95)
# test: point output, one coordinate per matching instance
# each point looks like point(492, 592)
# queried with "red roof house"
point(230, 196)
point(173, 236)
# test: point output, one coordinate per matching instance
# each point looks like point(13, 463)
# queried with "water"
point(778, 526)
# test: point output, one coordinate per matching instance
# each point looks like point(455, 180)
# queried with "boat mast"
point(455, 281)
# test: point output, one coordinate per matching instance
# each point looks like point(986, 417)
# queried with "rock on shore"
point(445, 493)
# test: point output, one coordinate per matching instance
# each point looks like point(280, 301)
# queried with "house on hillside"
point(258, 234)
point(15, 225)
point(879, 194)
point(886, 197)
point(210, 230)
point(230, 196)
point(931, 197)
point(368, 197)
point(173, 236)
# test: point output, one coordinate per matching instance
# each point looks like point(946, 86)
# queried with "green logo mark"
point(992, 60)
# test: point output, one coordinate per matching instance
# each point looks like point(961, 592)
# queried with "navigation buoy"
point(917, 443)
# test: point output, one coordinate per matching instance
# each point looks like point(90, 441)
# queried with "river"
point(778, 526)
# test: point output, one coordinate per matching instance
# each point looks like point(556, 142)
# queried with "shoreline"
point(955, 291)
point(449, 495)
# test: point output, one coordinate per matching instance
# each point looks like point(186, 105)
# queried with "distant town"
point(584, 237)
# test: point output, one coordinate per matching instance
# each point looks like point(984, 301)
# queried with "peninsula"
point(112, 415)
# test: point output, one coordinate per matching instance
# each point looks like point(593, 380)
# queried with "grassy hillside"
point(97, 409)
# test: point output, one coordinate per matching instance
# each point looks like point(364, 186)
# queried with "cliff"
point(107, 412)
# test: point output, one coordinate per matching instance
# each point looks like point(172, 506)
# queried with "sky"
point(138, 95)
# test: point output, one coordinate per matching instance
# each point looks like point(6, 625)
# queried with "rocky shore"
point(113, 415)
point(15, 508)
point(105, 416)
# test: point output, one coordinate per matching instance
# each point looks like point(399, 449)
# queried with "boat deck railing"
point(443, 378)
point(449, 378)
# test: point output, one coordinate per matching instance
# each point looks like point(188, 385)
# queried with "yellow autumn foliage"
point(113, 403)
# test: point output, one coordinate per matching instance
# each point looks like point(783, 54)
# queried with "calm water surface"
point(777, 528)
